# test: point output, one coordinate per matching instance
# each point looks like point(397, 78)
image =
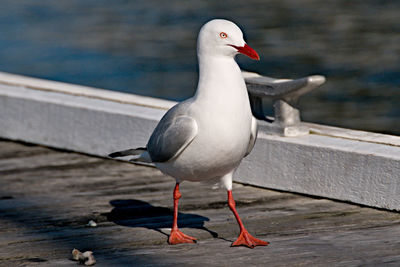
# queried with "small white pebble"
point(89, 258)
point(76, 254)
point(86, 257)
point(91, 223)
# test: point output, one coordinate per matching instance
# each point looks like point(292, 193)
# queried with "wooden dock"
point(47, 197)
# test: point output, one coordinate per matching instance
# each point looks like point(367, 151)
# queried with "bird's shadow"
point(138, 213)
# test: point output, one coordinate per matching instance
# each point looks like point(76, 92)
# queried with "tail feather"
point(128, 152)
point(143, 158)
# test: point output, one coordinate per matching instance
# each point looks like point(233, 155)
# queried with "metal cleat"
point(285, 93)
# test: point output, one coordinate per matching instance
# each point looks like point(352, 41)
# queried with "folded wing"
point(171, 136)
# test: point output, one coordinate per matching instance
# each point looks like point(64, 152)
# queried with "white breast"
point(221, 109)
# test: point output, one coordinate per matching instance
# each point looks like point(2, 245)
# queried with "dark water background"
point(148, 48)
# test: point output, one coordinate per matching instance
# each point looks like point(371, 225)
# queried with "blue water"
point(149, 48)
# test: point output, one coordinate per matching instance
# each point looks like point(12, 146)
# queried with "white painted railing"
point(337, 163)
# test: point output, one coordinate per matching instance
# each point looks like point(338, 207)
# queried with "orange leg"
point(244, 239)
point(176, 236)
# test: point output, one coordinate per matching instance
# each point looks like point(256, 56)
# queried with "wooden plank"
point(47, 197)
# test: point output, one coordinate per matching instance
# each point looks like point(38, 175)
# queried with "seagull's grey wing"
point(253, 135)
point(171, 136)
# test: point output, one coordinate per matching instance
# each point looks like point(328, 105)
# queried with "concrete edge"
point(80, 90)
point(364, 136)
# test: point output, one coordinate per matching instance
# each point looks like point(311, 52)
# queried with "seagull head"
point(221, 37)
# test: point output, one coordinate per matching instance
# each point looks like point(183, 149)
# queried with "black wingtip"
point(115, 155)
point(128, 152)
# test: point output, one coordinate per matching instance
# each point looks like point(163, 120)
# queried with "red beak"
point(247, 50)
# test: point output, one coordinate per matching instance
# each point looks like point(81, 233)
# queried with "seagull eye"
point(223, 35)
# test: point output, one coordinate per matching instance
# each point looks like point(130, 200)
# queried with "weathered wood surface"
point(47, 197)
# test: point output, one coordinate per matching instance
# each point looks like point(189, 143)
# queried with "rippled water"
point(148, 48)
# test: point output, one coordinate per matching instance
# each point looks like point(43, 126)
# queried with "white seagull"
point(207, 136)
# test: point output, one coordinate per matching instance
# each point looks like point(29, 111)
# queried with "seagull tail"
point(128, 152)
point(140, 155)
point(142, 158)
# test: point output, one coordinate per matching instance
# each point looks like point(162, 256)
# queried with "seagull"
point(206, 136)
